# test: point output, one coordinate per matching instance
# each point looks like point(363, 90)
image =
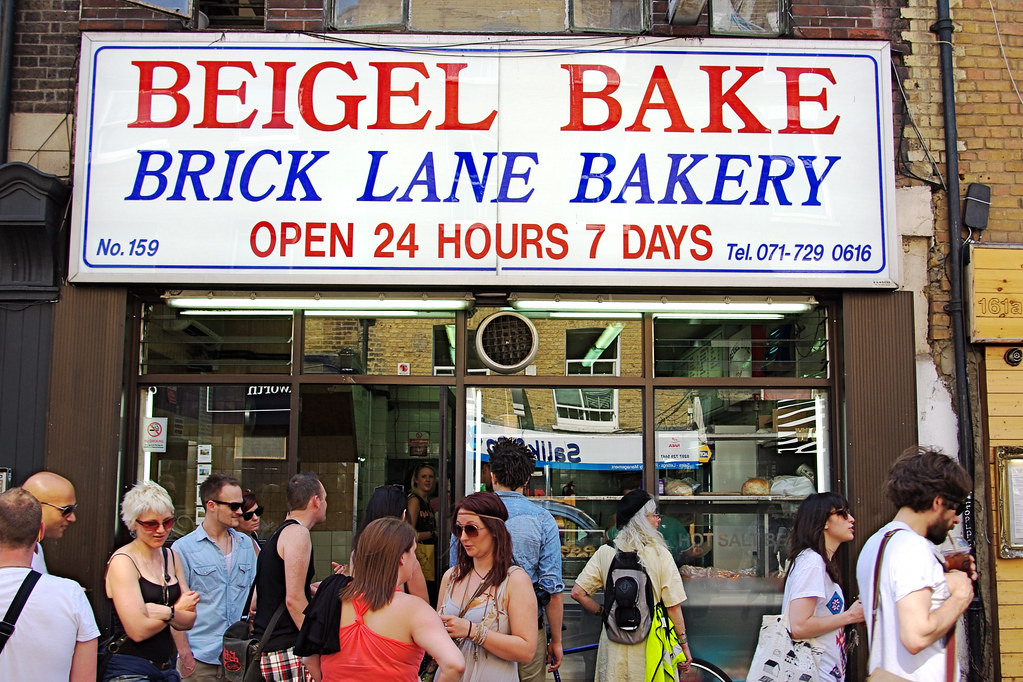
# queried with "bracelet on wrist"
point(171, 617)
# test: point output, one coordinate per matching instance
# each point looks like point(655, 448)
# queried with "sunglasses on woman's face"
point(151, 526)
point(469, 529)
point(258, 511)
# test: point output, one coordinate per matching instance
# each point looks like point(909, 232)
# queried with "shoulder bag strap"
point(877, 583)
point(11, 617)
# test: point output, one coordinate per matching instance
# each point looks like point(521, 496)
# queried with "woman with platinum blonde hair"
point(146, 583)
point(637, 520)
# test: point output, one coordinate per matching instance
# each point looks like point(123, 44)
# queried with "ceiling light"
point(570, 315)
point(368, 305)
point(691, 305)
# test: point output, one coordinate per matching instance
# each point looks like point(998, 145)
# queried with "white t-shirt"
point(808, 577)
point(38, 560)
point(910, 564)
point(56, 617)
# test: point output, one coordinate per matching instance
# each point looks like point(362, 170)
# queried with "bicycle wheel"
point(703, 671)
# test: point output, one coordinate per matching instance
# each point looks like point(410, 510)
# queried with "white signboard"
point(261, 158)
point(617, 452)
point(154, 434)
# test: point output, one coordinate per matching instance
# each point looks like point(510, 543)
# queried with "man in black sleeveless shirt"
point(284, 571)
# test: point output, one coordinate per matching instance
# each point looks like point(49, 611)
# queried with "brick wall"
point(45, 56)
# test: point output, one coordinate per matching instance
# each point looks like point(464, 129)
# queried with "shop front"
point(367, 260)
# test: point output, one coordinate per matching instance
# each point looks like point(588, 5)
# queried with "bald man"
point(57, 497)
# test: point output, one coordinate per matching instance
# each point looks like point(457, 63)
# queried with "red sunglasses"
point(151, 526)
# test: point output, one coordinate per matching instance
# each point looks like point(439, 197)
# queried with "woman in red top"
point(384, 631)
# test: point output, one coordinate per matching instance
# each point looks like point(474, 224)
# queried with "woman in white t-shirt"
point(813, 598)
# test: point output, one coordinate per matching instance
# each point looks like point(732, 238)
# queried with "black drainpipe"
point(943, 27)
point(6, 57)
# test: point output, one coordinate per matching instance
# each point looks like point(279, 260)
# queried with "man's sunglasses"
point(64, 511)
point(469, 529)
point(258, 511)
point(151, 526)
point(234, 506)
point(953, 503)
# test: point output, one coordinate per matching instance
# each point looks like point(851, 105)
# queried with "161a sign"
point(410, 160)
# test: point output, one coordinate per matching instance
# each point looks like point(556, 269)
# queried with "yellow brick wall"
point(989, 119)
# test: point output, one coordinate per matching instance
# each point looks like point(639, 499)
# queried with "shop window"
point(238, 429)
point(444, 352)
point(497, 16)
point(179, 8)
point(356, 438)
point(562, 352)
point(416, 345)
point(589, 352)
point(177, 342)
point(732, 466)
point(794, 345)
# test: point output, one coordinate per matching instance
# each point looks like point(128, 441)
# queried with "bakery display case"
point(727, 504)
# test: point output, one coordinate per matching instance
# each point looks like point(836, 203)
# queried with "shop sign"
point(289, 159)
point(996, 293)
point(614, 452)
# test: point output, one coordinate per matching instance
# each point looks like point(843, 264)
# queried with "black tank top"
point(158, 649)
point(271, 591)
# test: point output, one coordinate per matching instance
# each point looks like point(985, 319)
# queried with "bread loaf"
point(756, 486)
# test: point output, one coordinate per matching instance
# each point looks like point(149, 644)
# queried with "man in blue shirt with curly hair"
point(536, 548)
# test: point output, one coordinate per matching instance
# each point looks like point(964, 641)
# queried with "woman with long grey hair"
point(637, 520)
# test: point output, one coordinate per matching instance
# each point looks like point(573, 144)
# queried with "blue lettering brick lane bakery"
point(370, 259)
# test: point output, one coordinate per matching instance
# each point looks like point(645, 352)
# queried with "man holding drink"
point(920, 599)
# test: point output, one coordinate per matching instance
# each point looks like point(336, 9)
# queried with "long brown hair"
point(487, 505)
point(376, 561)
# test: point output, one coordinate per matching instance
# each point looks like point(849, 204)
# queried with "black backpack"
point(628, 600)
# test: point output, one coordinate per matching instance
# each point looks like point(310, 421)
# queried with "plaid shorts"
point(282, 666)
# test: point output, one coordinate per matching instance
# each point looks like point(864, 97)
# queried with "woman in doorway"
point(487, 604)
point(421, 516)
point(420, 513)
point(383, 631)
point(638, 521)
point(252, 514)
point(146, 583)
point(813, 598)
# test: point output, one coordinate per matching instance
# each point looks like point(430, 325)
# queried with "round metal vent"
point(506, 342)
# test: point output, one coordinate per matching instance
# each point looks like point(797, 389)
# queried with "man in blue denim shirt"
point(536, 547)
point(219, 564)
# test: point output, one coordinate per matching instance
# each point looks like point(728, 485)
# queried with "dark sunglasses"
point(258, 511)
point(469, 529)
point(954, 503)
point(151, 526)
point(843, 512)
point(234, 506)
point(64, 511)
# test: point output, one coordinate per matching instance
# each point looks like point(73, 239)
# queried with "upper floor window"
point(496, 16)
point(232, 13)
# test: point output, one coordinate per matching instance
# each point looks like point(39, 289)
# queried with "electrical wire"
point(923, 145)
point(1001, 46)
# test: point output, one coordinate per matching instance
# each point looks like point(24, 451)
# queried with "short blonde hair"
point(145, 496)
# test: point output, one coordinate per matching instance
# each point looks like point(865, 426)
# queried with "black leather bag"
point(241, 651)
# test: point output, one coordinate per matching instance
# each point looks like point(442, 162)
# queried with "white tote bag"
point(780, 658)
